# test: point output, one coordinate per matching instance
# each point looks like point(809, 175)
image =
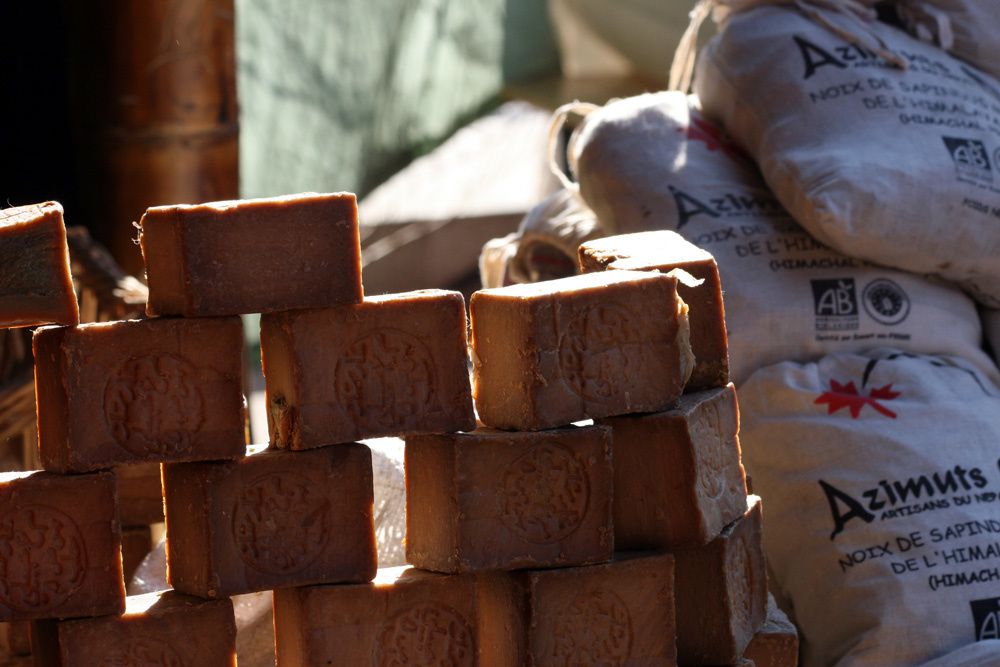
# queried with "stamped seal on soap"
point(385, 377)
point(42, 558)
point(544, 493)
point(595, 629)
point(711, 451)
point(596, 350)
point(429, 634)
point(153, 404)
point(280, 523)
point(143, 652)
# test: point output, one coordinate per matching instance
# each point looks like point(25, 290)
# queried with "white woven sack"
point(881, 480)
point(899, 166)
point(652, 162)
point(966, 29)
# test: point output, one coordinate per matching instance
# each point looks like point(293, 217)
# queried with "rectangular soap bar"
point(405, 617)
point(36, 286)
point(252, 256)
point(164, 628)
point(15, 639)
point(665, 251)
point(139, 390)
point(140, 497)
point(61, 546)
point(552, 353)
point(137, 542)
point(619, 613)
point(496, 500)
point(678, 476)
point(722, 592)
point(394, 365)
point(271, 520)
point(777, 643)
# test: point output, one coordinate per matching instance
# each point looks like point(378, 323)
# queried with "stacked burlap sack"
point(853, 206)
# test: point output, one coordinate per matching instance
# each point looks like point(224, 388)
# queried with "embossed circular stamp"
point(143, 653)
point(153, 404)
point(280, 523)
point(544, 493)
point(42, 558)
point(385, 376)
point(428, 634)
point(595, 348)
point(595, 629)
point(711, 452)
point(740, 584)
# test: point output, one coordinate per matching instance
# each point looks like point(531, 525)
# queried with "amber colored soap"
point(164, 629)
point(722, 593)
point(678, 476)
point(600, 344)
point(140, 497)
point(139, 390)
point(405, 617)
point(498, 500)
point(665, 251)
point(270, 520)
point(137, 542)
point(15, 639)
point(36, 286)
point(60, 546)
point(620, 613)
point(777, 643)
point(252, 256)
point(394, 365)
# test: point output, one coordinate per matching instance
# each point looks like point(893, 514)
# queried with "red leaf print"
point(843, 396)
point(713, 137)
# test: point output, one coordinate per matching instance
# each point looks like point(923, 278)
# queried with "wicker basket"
point(106, 293)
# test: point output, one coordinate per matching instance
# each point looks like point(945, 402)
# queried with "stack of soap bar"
point(590, 346)
point(270, 520)
point(777, 643)
point(618, 613)
point(678, 476)
point(60, 546)
point(721, 589)
point(252, 256)
point(163, 628)
point(494, 500)
point(140, 496)
point(664, 251)
point(36, 286)
point(140, 390)
point(404, 617)
point(394, 365)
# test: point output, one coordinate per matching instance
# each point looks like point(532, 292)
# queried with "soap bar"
point(777, 643)
point(60, 546)
point(496, 500)
point(722, 590)
point(551, 353)
point(36, 286)
point(393, 365)
point(271, 520)
point(15, 639)
point(405, 617)
point(252, 256)
point(665, 251)
point(137, 542)
point(619, 613)
point(164, 628)
point(140, 498)
point(678, 477)
point(139, 390)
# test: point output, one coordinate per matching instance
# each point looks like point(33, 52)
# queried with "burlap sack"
point(897, 166)
point(653, 162)
point(966, 29)
point(881, 479)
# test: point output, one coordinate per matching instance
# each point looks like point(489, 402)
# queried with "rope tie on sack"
point(929, 23)
point(556, 125)
point(856, 11)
